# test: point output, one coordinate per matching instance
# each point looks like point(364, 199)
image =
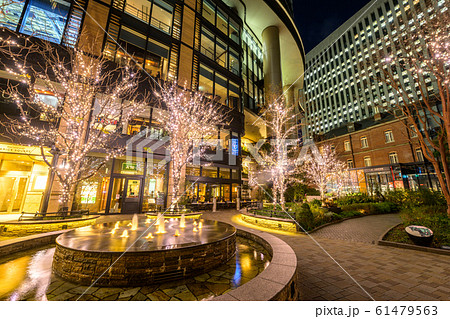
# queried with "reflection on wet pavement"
point(29, 277)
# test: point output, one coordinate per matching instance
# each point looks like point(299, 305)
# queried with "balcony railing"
point(145, 17)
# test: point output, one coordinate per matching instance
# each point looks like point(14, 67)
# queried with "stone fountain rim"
point(234, 233)
point(276, 281)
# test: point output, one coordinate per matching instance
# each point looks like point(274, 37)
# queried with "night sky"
point(316, 19)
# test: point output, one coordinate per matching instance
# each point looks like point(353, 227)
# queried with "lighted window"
point(412, 131)
point(389, 136)
point(45, 19)
point(234, 62)
point(206, 80)
point(221, 56)
point(209, 171)
point(364, 142)
point(350, 163)
point(207, 43)
point(367, 161)
point(222, 21)
point(393, 157)
point(209, 11)
point(347, 146)
point(419, 155)
point(220, 91)
point(162, 16)
point(10, 13)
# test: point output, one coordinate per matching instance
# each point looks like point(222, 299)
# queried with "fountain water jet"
point(183, 221)
point(200, 225)
point(161, 225)
point(124, 234)
point(134, 222)
point(158, 219)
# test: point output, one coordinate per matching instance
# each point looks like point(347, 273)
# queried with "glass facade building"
point(213, 46)
point(347, 108)
point(338, 88)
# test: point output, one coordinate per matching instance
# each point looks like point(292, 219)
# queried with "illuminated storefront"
point(23, 178)
point(125, 185)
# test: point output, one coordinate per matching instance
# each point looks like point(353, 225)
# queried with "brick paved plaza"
point(386, 273)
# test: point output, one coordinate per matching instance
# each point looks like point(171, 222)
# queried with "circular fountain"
point(143, 251)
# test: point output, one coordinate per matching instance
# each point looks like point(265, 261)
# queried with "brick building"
point(381, 155)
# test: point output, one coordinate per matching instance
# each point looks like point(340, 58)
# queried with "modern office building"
point(345, 108)
point(232, 50)
point(337, 81)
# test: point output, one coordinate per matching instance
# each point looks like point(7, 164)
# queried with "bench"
point(54, 215)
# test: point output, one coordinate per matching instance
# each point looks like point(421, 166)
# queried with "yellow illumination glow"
point(40, 182)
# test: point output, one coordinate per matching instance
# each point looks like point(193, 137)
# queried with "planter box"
point(420, 235)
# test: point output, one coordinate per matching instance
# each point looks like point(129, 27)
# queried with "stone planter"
point(420, 235)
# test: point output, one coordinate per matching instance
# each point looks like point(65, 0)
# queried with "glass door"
point(131, 202)
point(117, 195)
point(12, 193)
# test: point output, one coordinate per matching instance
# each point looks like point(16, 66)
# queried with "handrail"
point(144, 16)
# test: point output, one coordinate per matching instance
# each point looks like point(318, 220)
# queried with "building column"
point(272, 61)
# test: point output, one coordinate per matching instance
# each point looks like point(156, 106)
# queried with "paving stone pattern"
point(366, 229)
point(386, 273)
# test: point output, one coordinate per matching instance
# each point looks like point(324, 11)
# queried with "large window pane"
point(207, 46)
point(162, 16)
point(206, 80)
point(208, 171)
point(156, 59)
point(221, 53)
point(234, 62)
point(209, 11)
point(222, 21)
point(45, 19)
point(234, 95)
point(221, 92)
point(11, 12)
point(139, 9)
point(234, 31)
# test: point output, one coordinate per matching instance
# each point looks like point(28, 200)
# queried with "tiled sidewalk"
point(364, 229)
point(386, 273)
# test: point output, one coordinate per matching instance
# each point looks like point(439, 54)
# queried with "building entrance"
point(125, 196)
point(23, 178)
point(13, 193)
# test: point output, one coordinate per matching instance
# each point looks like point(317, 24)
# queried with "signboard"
point(129, 167)
point(160, 199)
point(20, 149)
point(235, 146)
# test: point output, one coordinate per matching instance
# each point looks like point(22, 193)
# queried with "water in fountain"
point(183, 221)
point(134, 222)
point(158, 219)
point(200, 225)
point(161, 225)
point(125, 234)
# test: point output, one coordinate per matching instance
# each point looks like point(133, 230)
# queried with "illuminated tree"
point(93, 97)
point(323, 167)
point(417, 71)
point(278, 158)
point(190, 119)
